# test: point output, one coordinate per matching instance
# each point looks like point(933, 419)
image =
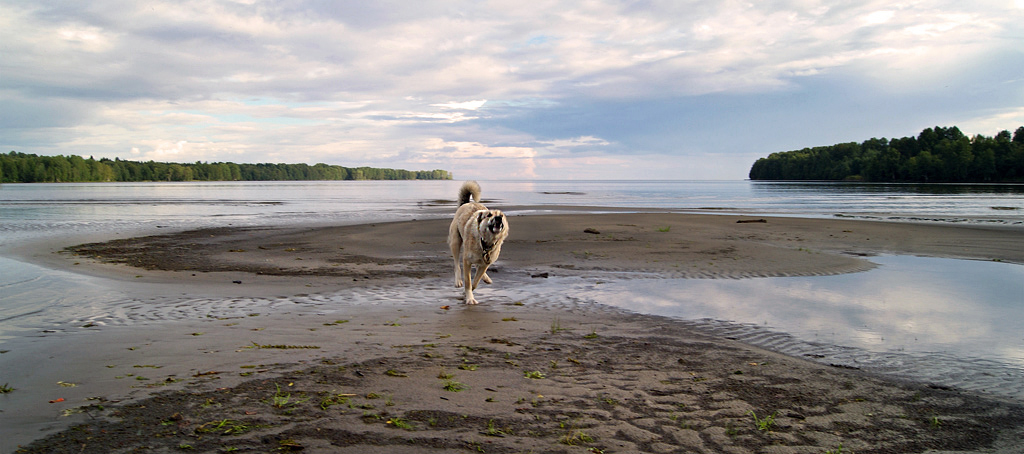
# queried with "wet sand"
point(427, 374)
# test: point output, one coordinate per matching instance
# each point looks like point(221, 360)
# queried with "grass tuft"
point(399, 423)
point(763, 424)
point(575, 436)
point(282, 399)
point(493, 430)
point(226, 427)
point(337, 399)
point(556, 326)
point(454, 386)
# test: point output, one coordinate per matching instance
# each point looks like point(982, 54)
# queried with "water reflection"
point(908, 304)
point(914, 202)
point(889, 188)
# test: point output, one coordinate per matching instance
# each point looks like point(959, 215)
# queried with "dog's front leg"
point(481, 273)
point(467, 274)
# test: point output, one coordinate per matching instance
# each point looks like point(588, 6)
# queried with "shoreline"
point(615, 377)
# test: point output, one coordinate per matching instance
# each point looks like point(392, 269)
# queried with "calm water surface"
point(933, 318)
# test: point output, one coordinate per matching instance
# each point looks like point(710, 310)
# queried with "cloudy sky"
point(501, 89)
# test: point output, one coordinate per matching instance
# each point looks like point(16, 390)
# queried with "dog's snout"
point(497, 224)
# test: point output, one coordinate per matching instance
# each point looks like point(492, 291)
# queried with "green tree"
point(936, 155)
point(983, 164)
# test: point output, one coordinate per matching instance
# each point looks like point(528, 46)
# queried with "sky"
point(545, 89)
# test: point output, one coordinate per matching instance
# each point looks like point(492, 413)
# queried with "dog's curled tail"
point(469, 189)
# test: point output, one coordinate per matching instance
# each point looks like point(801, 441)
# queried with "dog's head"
point(492, 221)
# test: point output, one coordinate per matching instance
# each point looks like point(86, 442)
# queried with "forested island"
point(29, 168)
point(937, 155)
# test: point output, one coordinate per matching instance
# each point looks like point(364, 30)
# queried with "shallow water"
point(944, 321)
point(907, 304)
point(126, 205)
point(951, 322)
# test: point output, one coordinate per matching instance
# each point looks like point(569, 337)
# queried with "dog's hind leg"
point(456, 245)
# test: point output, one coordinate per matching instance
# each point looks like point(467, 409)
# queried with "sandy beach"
point(428, 374)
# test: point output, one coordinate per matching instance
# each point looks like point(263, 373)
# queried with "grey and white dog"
point(475, 238)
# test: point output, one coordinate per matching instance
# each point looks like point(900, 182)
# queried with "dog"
point(475, 237)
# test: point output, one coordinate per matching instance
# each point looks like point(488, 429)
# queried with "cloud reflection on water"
point(908, 304)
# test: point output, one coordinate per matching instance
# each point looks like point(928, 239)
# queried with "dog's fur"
point(475, 238)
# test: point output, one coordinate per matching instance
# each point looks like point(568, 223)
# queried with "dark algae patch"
point(653, 393)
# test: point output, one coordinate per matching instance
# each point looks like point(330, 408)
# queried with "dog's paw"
point(486, 279)
point(458, 283)
point(471, 301)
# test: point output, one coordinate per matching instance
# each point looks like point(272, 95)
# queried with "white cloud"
point(879, 17)
point(87, 38)
point(466, 105)
point(991, 123)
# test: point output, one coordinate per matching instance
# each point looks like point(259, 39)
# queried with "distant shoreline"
point(29, 168)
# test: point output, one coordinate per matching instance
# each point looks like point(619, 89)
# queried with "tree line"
point(29, 168)
point(936, 155)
